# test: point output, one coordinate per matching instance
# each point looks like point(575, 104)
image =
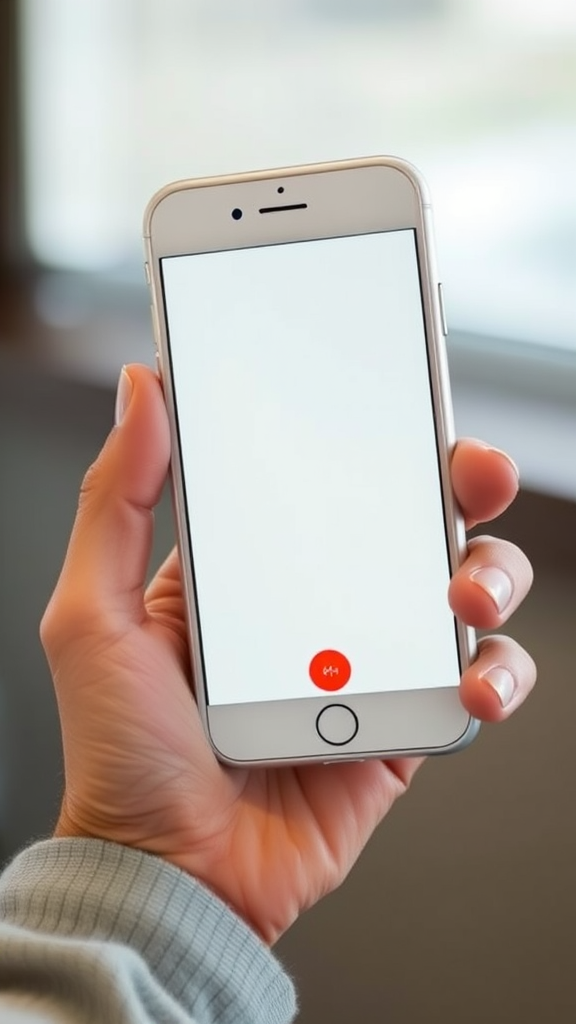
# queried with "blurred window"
point(122, 96)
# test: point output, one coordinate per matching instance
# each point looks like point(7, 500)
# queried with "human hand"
point(138, 768)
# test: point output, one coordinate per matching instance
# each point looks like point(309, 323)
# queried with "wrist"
point(89, 891)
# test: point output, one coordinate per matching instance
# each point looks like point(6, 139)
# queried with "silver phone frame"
point(425, 721)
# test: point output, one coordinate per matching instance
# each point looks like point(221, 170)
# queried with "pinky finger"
point(499, 680)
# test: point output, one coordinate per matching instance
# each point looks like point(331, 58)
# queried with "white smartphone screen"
point(310, 468)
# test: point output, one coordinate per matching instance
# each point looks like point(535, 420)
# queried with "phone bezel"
point(344, 198)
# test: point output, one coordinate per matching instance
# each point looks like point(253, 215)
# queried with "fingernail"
point(508, 458)
point(123, 396)
point(504, 455)
point(496, 583)
point(503, 682)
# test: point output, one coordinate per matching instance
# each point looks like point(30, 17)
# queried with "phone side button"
point(337, 724)
point(442, 310)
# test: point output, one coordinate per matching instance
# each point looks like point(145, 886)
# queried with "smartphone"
point(300, 339)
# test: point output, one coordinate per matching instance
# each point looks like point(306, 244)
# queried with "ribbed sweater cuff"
point(200, 952)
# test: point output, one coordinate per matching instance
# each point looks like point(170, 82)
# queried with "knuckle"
point(90, 485)
point(94, 479)
point(64, 621)
point(51, 625)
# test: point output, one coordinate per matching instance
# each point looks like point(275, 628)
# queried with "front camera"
point(236, 214)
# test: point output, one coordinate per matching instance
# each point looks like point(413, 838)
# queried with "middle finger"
point(491, 582)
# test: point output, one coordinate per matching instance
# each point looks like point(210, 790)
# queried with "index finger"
point(485, 480)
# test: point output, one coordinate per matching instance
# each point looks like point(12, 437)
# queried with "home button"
point(337, 724)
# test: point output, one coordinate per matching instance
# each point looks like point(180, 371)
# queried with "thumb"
point(104, 572)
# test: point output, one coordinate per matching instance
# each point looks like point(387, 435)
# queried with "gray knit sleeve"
point(93, 932)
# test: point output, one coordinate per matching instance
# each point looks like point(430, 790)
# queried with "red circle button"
point(330, 670)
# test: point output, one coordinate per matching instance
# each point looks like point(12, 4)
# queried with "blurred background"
point(463, 907)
